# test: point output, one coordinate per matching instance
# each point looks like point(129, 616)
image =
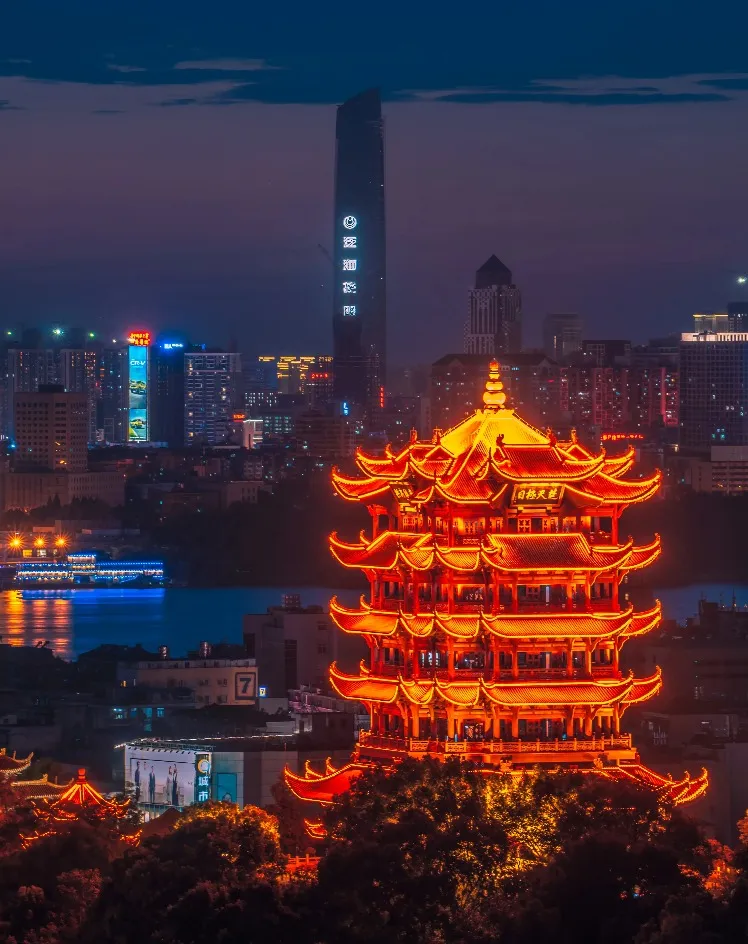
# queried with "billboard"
point(137, 394)
point(159, 778)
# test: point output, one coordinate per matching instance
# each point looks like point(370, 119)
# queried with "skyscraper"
point(167, 390)
point(212, 382)
point(494, 323)
point(562, 335)
point(713, 390)
point(359, 317)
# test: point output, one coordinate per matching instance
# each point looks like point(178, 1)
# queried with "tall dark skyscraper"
point(494, 322)
point(360, 317)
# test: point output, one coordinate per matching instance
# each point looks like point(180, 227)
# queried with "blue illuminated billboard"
point(137, 395)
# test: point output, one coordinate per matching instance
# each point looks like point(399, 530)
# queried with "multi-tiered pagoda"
point(496, 617)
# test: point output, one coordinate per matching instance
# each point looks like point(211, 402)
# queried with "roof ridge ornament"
point(494, 397)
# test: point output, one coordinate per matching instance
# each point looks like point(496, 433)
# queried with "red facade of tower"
point(496, 617)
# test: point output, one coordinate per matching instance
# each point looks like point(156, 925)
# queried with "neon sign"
point(349, 288)
point(139, 338)
point(537, 495)
point(350, 222)
point(619, 437)
point(203, 769)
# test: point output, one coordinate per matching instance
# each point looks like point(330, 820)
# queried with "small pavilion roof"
point(12, 766)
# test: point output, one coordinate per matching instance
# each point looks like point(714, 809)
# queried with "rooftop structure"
point(495, 618)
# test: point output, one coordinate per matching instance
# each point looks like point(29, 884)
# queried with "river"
point(74, 621)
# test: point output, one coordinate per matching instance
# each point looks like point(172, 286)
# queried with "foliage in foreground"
point(430, 854)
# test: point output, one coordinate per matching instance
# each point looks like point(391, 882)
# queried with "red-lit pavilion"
point(496, 618)
point(72, 800)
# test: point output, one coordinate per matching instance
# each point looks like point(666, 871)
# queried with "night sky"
point(170, 165)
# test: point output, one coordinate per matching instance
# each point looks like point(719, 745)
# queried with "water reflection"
point(36, 618)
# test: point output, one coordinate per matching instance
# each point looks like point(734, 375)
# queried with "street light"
point(15, 543)
point(39, 542)
point(742, 279)
point(60, 542)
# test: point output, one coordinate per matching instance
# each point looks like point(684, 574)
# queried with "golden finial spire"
point(494, 397)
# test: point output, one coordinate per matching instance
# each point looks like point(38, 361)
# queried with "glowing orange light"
point(60, 542)
point(139, 338)
point(498, 540)
point(238, 417)
point(15, 542)
point(39, 542)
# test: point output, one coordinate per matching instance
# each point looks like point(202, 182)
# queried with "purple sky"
point(116, 212)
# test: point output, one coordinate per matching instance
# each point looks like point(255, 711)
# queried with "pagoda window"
point(505, 730)
point(433, 659)
point(524, 525)
point(496, 524)
point(505, 659)
point(472, 594)
point(410, 523)
point(441, 525)
point(569, 525)
point(470, 661)
point(393, 656)
point(549, 525)
point(532, 660)
point(585, 524)
point(473, 731)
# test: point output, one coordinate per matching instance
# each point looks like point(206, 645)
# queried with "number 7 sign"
point(245, 686)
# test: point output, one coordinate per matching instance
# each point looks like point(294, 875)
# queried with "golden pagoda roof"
point(542, 625)
point(509, 553)
point(41, 789)
point(525, 694)
point(475, 460)
point(11, 766)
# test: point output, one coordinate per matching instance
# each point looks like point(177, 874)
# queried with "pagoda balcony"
point(617, 742)
point(391, 670)
point(597, 605)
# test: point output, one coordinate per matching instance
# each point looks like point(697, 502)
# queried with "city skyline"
point(163, 183)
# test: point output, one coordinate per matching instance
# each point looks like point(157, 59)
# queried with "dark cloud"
point(5, 105)
point(572, 98)
point(108, 111)
point(177, 102)
point(731, 83)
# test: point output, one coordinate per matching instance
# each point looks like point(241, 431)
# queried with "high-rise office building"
point(51, 430)
point(167, 358)
point(494, 322)
point(562, 335)
point(79, 373)
point(713, 390)
point(111, 411)
point(737, 316)
point(359, 316)
point(212, 387)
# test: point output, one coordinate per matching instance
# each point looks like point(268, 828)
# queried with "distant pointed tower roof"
point(492, 272)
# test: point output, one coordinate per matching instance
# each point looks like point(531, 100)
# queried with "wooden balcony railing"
point(529, 746)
